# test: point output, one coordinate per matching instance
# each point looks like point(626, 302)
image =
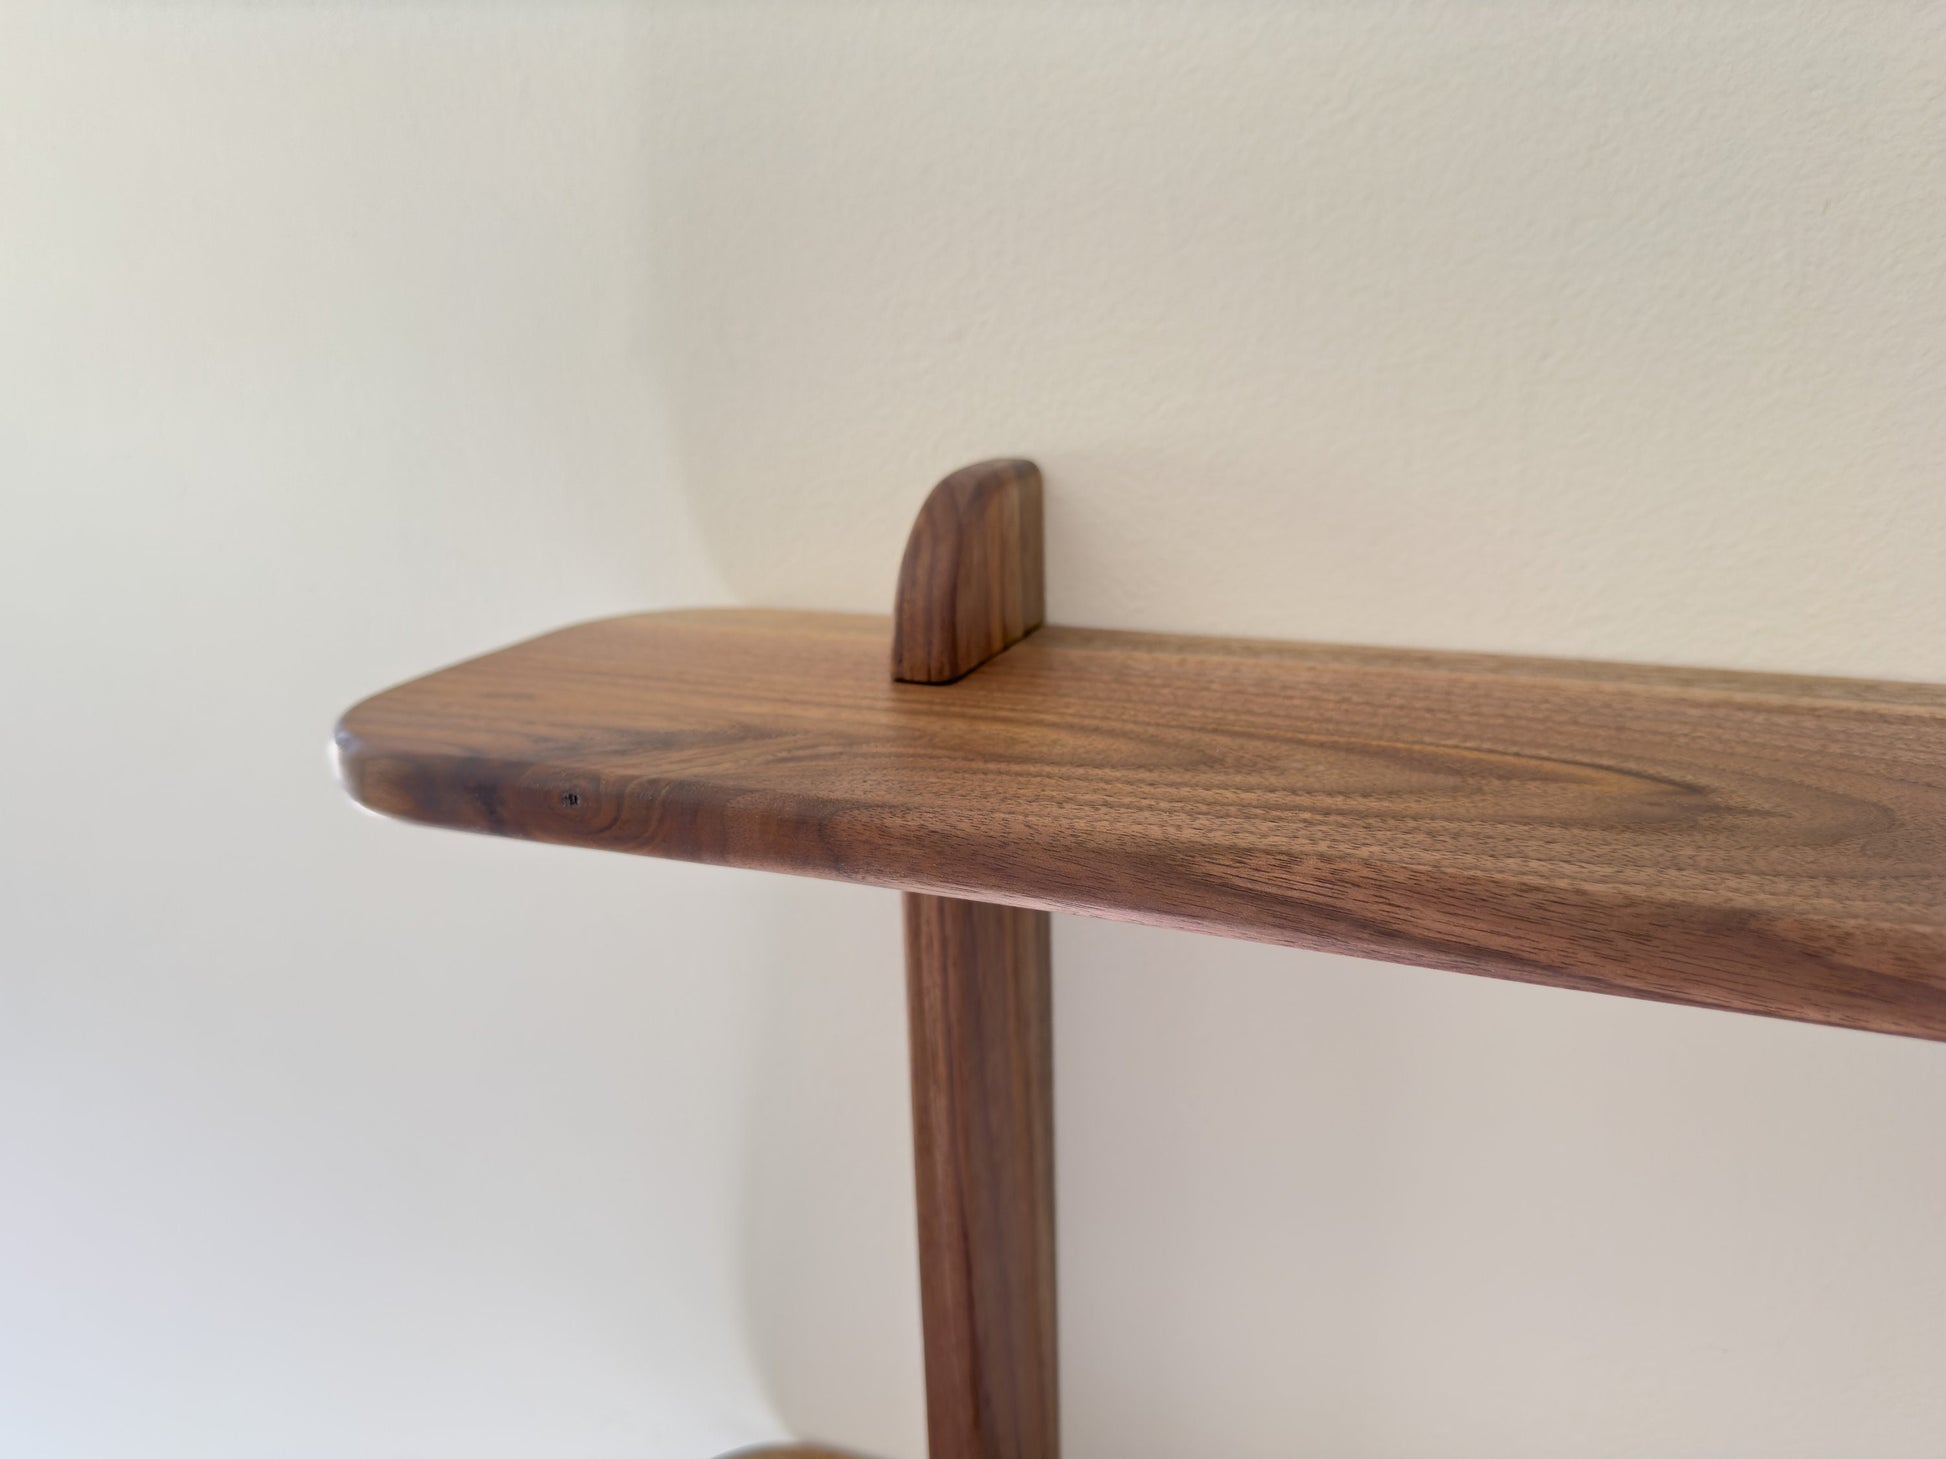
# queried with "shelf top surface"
point(1762, 843)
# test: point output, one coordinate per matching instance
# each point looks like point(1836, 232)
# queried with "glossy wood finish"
point(979, 999)
point(1761, 843)
point(971, 580)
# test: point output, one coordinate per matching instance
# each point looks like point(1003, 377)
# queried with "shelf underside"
point(1752, 842)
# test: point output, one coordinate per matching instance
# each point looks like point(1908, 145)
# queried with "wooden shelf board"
point(1760, 843)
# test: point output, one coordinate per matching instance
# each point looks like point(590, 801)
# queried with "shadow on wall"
point(830, 1249)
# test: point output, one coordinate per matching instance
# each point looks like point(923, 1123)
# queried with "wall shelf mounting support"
point(1755, 843)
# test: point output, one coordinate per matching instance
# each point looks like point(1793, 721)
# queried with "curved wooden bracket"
point(971, 581)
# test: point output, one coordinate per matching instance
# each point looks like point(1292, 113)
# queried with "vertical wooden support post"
point(979, 1001)
point(982, 1114)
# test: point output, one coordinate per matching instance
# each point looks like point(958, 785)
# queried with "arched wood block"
point(980, 1005)
point(971, 581)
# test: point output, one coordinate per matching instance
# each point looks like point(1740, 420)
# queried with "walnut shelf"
point(1738, 841)
point(1757, 843)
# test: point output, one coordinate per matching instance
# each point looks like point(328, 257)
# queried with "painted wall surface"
point(342, 340)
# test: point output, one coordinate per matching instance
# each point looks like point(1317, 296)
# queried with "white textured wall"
point(339, 340)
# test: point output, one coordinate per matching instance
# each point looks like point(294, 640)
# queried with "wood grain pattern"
point(1761, 843)
point(971, 581)
point(979, 999)
point(980, 1003)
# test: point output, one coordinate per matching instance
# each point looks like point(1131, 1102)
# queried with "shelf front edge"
point(1753, 843)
